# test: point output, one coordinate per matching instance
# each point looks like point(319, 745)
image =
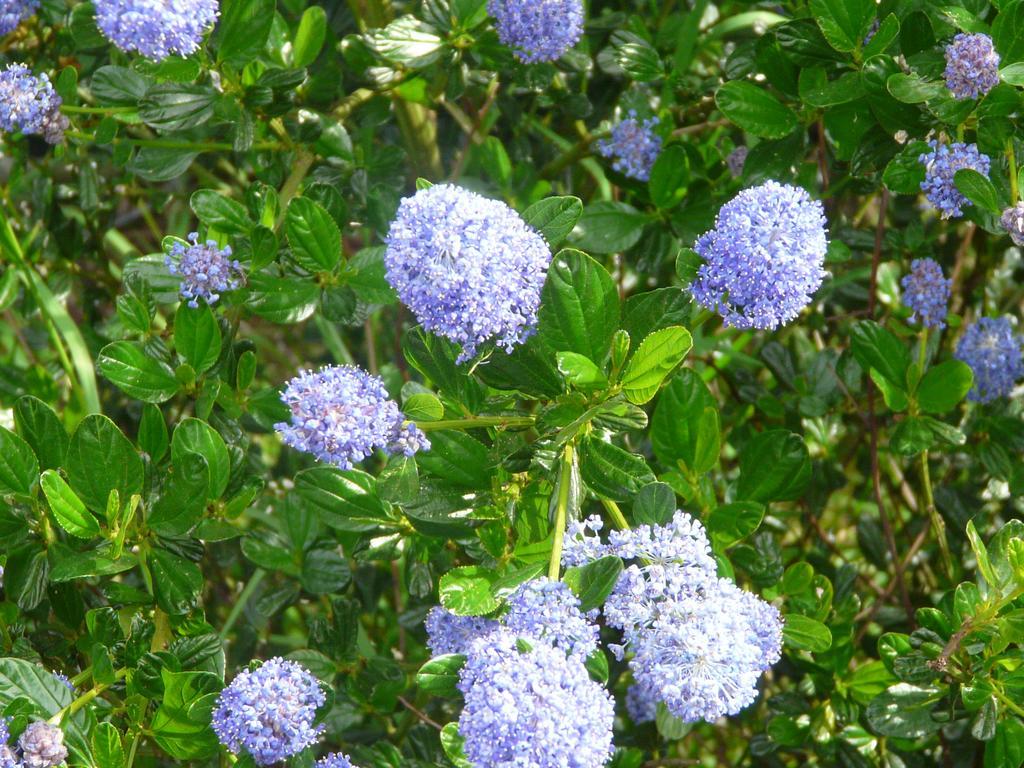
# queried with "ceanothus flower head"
point(941, 165)
point(972, 65)
point(926, 293)
point(64, 680)
point(206, 270)
point(449, 633)
point(42, 745)
point(268, 712)
point(548, 610)
point(29, 104)
point(764, 259)
point(529, 705)
point(335, 760)
point(469, 268)
point(156, 28)
point(996, 356)
point(634, 146)
point(641, 704)
point(1013, 222)
point(341, 414)
point(13, 12)
point(706, 650)
point(538, 30)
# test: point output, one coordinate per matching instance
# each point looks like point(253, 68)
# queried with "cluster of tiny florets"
point(529, 705)
point(634, 146)
point(269, 712)
point(926, 293)
point(995, 353)
point(7, 757)
point(29, 104)
point(1013, 222)
point(42, 746)
point(341, 414)
point(548, 610)
point(450, 633)
point(538, 30)
point(469, 268)
point(206, 270)
point(64, 680)
point(335, 760)
point(972, 65)
point(941, 165)
point(697, 643)
point(765, 257)
point(13, 12)
point(156, 28)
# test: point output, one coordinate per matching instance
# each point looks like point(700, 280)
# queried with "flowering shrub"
point(511, 384)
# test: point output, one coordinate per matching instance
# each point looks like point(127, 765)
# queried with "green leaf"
point(177, 582)
point(875, 347)
point(19, 468)
point(81, 565)
point(118, 86)
point(313, 236)
point(195, 436)
point(655, 504)
point(904, 711)
point(310, 36)
point(243, 29)
point(181, 725)
point(345, 500)
point(453, 745)
point(844, 22)
point(1006, 748)
point(423, 406)
point(579, 309)
point(282, 300)
point(669, 176)
point(608, 227)
point(554, 217)
point(611, 472)
point(805, 634)
point(594, 581)
point(978, 189)
point(944, 386)
point(467, 590)
point(637, 57)
point(731, 523)
point(153, 437)
point(174, 107)
point(755, 110)
point(657, 356)
point(138, 375)
point(37, 423)
point(679, 427)
point(100, 460)
point(580, 372)
point(220, 212)
point(197, 336)
point(324, 572)
point(913, 89)
point(409, 41)
point(67, 508)
point(45, 696)
point(1008, 34)
point(182, 500)
point(774, 466)
point(107, 747)
point(459, 458)
point(440, 675)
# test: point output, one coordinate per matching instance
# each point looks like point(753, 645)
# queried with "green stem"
point(576, 152)
point(290, 188)
point(82, 676)
point(1007, 702)
point(477, 422)
point(134, 749)
point(1011, 157)
point(615, 514)
point(561, 511)
point(936, 519)
point(238, 607)
point(195, 146)
point(75, 706)
point(71, 109)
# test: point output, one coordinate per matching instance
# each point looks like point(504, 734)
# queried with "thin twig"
point(423, 716)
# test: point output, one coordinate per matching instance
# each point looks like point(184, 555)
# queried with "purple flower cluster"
point(205, 269)
point(29, 104)
point(996, 356)
point(696, 642)
point(972, 65)
point(634, 146)
point(1013, 222)
point(926, 293)
point(335, 760)
point(469, 268)
point(941, 165)
point(269, 712)
point(42, 746)
point(764, 259)
point(7, 758)
point(517, 698)
point(13, 12)
point(341, 414)
point(538, 30)
point(156, 28)
point(449, 633)
point(549, 611)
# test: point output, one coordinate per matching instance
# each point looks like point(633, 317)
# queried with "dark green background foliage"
point(156, 537)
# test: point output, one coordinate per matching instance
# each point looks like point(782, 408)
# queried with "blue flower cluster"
point(29, 104)
point(996, 356)
point(269, 712)
point(341, 414)
point(972, 65)
point(205, 269)
point(926, 293)
point(469, 268)
point(1013, 222)
point(449, 633)
point(941, 165)
point(634, 146)
point(156, 28)
point(548, 610)
point(7, 758)
point(538, 30)
point(13, 12)
point(764, 259)
point(41, 746)
point(517, 698)
point(335, 760)
point(698, 643)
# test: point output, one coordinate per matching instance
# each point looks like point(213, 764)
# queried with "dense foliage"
point(523, 383)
